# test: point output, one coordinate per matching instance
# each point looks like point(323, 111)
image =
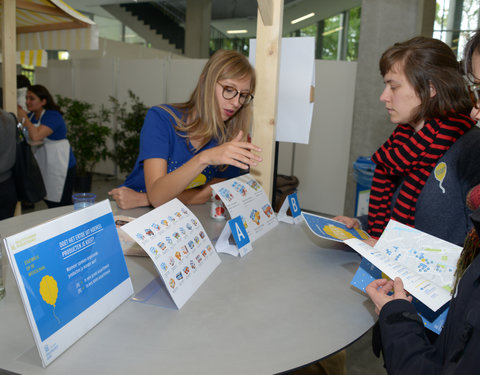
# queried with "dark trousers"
point(67, 190)
point(8, 198)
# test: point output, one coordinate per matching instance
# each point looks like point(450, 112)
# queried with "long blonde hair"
point(201, 117)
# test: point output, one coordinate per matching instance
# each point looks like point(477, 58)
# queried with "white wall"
point(321, 166)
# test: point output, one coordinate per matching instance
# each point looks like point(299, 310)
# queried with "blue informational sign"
point(68, 273)
point(294, 205)
point(239, 232)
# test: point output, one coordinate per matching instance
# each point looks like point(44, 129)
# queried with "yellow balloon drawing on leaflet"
point(440, 173)
point(341, 233)
point(49, 292)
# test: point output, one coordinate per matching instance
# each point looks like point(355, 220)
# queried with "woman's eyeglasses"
point(474, 92)
point(230, 92)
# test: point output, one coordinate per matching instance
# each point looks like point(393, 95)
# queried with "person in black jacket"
point(8, 195)
point(406, 348)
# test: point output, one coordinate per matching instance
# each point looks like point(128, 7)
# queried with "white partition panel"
point(57, 78)
point(182, 78)
point(322, 165)
point(145, 78)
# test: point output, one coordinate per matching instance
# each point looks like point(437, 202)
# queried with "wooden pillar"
point(9, 60)
point(197, 28)
point(267, 66)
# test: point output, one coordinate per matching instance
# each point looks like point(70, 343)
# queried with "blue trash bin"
point(363, 169)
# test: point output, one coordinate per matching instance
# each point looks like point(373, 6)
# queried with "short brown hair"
point(429, 62)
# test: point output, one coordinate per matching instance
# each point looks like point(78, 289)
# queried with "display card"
point(71, 273)
point(243, 196)
point(177, 243)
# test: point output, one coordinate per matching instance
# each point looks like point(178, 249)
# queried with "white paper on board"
point(297, 76)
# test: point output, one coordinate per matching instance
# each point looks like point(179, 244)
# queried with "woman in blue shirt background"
point(46, 127)
point(185, 147)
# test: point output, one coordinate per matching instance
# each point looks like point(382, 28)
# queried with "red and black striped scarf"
point(408, 157)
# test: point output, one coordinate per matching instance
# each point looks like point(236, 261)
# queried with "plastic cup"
point(218, 211)
point(82, 200)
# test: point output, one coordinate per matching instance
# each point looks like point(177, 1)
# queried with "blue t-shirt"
point(159, 139)
point(54, 120)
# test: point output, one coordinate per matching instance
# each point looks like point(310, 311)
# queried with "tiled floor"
point(360, 358)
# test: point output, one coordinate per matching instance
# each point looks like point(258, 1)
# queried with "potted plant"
point(127, 135)
point(87, 135)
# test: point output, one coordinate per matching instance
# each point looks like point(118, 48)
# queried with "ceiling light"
point(332, 31)
point(302, 18)
point(237, 31)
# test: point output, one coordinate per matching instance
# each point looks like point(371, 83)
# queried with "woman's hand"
point(378, 291)
point(128, 198)
point(35, 133)
point(370, 241)
point(235, 152)
point(350, 222)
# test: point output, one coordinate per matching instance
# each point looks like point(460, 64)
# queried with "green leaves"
point(87, 132)
point(127, 135)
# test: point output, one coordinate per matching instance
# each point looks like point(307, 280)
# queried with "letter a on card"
point(235, 227)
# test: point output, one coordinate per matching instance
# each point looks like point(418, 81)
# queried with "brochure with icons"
point(243, 196)
point(177, 243)
point(71, 273)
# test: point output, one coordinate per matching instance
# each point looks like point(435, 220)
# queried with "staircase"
point(150, 22)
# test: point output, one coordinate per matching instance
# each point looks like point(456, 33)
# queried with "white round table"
point(285, 304)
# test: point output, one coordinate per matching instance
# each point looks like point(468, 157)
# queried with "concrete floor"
point(360, 358)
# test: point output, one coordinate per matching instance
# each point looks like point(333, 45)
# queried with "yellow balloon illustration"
point(337, 232)
point(440, 173)
point(362, 234)
point(49, 291)
point(198, 181)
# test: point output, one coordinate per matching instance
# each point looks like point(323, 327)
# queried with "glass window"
point(455, 22)
point(133, 38)
point(109, 28)
point(337, 37)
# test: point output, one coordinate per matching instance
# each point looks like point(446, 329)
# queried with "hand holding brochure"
point(425, 263)
point(332, 229)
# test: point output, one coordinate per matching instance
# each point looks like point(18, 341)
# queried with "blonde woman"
point(186, 147)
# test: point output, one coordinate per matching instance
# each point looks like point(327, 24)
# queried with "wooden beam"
point(26, 5)
point(267, 67)
point(9, 57)
point(265, 7)
point(52, 27)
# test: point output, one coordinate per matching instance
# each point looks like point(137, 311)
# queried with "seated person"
point(429, 163)
point(404, 342)
point(184, 148)
point(405, 345)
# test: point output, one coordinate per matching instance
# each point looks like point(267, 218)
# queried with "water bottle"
point(23, 128)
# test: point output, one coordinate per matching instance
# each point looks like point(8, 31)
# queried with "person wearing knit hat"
point(405, 346)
